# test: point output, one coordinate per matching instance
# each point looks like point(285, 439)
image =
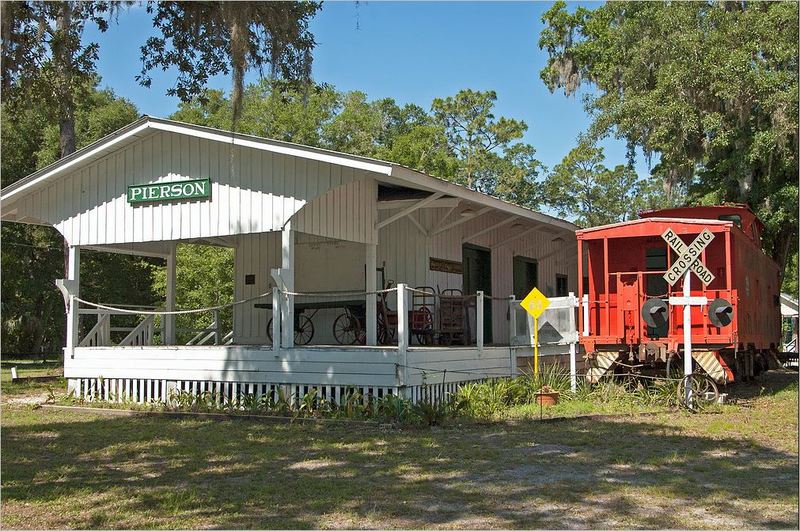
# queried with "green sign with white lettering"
point(152, 193)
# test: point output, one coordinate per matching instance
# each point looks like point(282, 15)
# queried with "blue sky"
point(410, 51)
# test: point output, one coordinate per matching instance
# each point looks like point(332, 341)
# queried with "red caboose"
point(626, 321)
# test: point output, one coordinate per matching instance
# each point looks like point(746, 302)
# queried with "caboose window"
point(736, 218)
point(656, 259)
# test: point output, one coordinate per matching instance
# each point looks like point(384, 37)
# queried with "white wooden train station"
point(317, 237)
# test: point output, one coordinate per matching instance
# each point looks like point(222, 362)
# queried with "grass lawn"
point(27, 368)
point(735, 468)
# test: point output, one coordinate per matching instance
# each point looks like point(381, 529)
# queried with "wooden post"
point(687, 335)
point(512, 319)
point(573, 364)
point(276, 319)
point(169, 320)
point(402, 333)
point(287, 274)
point(216, 327)
point(536, 346)
point(607, 295)
point(580, 284)
point(479, 320)
point(372, 299)
point(73, 274)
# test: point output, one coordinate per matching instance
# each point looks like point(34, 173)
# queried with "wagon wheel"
point(424, 333)
point(303, 330)
point(346, 329)
point(386, 333)
point(703, 388)
point(269, 329)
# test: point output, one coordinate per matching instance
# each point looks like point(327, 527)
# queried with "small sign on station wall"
point(446, 266)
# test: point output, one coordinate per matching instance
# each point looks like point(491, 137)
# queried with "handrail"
point(100, 334)
point(141, 335)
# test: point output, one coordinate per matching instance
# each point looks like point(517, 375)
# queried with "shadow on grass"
point(768, 383)
point(147, 472)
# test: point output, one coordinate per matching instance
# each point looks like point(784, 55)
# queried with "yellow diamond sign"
point(535, 303)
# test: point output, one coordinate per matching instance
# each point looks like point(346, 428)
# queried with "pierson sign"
point(172, 191)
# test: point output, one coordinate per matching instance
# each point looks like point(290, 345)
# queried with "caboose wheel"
point(704, 391)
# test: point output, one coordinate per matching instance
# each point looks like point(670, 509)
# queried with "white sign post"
point(688, 261)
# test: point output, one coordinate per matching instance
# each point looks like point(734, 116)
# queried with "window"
point(736, 218)
point(562, 285)
point(656, 259)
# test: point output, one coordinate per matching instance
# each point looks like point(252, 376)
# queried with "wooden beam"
point(394, 204)
point(125, 250)
point(406, 211)
point(446, 215)
point(417, 224)
point(462, 220)
point(490, 228)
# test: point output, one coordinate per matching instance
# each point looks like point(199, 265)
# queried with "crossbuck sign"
point(688, 260)
point(688, 257)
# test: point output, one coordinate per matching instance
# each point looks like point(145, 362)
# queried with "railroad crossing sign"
point(688, 257)
point(535, 303)
point(688, 260)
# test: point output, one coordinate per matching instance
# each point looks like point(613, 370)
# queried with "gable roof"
point(148, 125)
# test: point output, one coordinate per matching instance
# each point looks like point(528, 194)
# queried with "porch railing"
point(150, 330)
point(100, 335)
point(211, 334)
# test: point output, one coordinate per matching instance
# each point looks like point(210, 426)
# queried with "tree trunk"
point(781, 250)
point(66, 121)
point(63, 59)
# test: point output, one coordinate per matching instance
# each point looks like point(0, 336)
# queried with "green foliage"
point(395, 409)
point(99, 114)
point(491, 159)
point(203, 279)
point(459, 140)
point(204, 39)
point(581, 186)
point(33, 256)
point(711, 88)
point(498, 398)
point(46, 63)
point(790, 278)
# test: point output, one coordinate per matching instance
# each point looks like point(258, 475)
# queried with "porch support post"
point(573, 364)
point(402, 336)
point(512, 319)
point(73, 275)
point(372, 299)
point(276, 319)
point(479, 320)
point(287, 274)
point(169, 320)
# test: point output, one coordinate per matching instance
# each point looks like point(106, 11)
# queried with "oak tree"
point(708, 88)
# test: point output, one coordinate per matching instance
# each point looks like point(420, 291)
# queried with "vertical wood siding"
point(407, 251)
point(345, 212)
point(256, 254)
point(252, 191)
